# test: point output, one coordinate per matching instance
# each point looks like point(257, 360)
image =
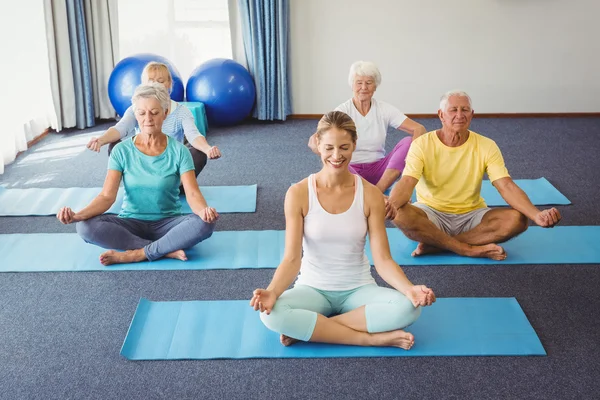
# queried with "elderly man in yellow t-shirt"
point(447, 166)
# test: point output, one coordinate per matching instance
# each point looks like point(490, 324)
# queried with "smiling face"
point(457, 114)
point(150, 115)
point(336, 147)
point(364, 87)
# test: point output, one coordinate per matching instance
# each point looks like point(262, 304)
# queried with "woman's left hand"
point(214, 153)
point(420, 295)
point(209, 215)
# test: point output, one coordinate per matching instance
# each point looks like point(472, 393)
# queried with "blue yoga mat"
point(34, 201)
point(264, 249)
point(180, 330)
point(558, 245)
point(68, 252)
point(540, 192)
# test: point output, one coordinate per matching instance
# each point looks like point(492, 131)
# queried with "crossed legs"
point(497, 226)
point(143, 240)
point(366, 316)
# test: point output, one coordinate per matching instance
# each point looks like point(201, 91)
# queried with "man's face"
point(457, 115)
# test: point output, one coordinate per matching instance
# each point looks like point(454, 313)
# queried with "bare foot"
point(117, 257)
point(287, 341)
point(492, 251)
point(177, 254)
point(398, 338)
point(423, 248)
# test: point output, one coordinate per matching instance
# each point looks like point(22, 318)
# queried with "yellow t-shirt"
point(450, 177)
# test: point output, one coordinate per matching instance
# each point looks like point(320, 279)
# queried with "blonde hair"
point(339, 120)
point(157, 67)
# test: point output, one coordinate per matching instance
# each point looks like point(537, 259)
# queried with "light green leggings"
point(295, 312)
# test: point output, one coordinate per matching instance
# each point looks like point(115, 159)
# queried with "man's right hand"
point(94, 144)
point(548, 218)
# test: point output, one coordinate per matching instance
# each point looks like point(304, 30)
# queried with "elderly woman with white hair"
point(178, 124)
point(372, 118)
point(152, 165)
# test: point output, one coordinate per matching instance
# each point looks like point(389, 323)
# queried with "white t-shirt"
point(372, 129)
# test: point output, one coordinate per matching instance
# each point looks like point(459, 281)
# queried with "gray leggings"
point(157, 238)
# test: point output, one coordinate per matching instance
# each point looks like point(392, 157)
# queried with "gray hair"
point(447, 95)
point(152, 90)
point(364, 68)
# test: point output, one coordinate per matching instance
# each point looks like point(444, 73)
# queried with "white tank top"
point(334, 244)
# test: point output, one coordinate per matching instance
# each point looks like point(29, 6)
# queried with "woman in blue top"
point(152, 166)
point(179, 123)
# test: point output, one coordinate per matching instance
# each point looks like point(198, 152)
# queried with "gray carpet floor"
point(60, 333)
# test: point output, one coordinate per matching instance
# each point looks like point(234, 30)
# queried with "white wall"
point(187, 32)
point(521, 56)
point(27, 98)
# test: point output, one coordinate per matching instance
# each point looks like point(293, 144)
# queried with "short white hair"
point(152, 90)
point(364, 68)
point(447, 95)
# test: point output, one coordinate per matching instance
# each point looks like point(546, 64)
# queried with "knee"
point(202, 230)
point(403, 219)
point(406, 141)
point(405, 314)
point(85, 230)
point(385, 317)
point(516, 223)
point(274, 320)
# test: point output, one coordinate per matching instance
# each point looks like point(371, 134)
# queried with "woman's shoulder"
point(180, 110)
point(372, 196)
point(296, 199)
point(174, 144)
point(124, 145)
point(299, 188)
point(370, 191)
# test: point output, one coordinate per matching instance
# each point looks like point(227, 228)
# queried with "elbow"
point(293, 261)
point(110, 200)
point(382, 264)
point(419, 130)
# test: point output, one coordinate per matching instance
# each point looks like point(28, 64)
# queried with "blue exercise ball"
point(226, 89)
point(127, 75)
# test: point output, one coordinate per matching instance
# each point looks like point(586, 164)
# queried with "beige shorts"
point(453, 224)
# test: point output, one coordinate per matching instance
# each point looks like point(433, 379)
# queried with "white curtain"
point(100, 25)
point(26, 102)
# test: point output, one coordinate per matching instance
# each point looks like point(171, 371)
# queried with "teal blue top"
point(151, 182)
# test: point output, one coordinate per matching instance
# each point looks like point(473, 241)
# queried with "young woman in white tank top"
point(335, 298)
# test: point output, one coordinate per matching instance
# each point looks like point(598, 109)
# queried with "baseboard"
point(35, 140)
point(480, 115)
point(38, 137)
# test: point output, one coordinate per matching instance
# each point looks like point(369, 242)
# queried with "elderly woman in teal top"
point(178, 124)
point(152, 166)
